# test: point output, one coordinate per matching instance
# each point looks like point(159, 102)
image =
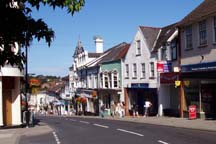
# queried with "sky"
point(116, 21)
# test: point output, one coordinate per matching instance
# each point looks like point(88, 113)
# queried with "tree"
point(17, 26)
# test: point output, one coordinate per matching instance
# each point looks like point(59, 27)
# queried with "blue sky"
point(115, 21)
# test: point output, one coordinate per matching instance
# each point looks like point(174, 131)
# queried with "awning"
point(10, 71)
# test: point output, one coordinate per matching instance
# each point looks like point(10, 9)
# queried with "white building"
point(139, 70)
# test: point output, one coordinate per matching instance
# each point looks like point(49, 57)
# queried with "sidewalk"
point(12, 136)
point(209, 125)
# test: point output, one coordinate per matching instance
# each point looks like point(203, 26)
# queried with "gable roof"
point(206, 8)
point(94, 55)
point(79, 49)
point(164, 35)
point(150, 34)
point(115, 53)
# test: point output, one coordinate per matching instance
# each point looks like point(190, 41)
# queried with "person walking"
point(135, 110)
point(113, 107)
point(102, 110)
point(147, 106)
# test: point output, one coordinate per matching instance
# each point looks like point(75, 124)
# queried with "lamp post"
point(27, 114)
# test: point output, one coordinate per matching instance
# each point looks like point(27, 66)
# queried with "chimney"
point(98, 44)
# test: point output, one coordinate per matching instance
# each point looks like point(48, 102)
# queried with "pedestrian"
point(102, 110)
point(123, 109)
point(147, 106)
point(113, 107)
point(135, 110)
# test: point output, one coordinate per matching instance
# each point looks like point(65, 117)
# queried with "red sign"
point(160, 67)
point(192, 112)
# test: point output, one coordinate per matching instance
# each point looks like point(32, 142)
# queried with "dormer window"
point(164, 53)
point(173, 47)
point(138, 47)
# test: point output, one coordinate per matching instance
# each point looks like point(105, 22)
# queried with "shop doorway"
point(209, 100)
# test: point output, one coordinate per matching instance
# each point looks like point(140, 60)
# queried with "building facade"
point(139, 71)
point(198, 61)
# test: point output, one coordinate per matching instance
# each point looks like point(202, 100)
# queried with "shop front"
point(201, 89)
point(168, 94)
point(86, 101)
point(138, 93)
point(107, 97)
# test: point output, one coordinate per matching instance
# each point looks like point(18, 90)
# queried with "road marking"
point(72, 120)
point(163, 142)
point(103, 126)
point(85, 122)
point(130, 132)
point(56, 138)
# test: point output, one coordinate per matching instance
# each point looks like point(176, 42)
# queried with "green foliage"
point(17, 25)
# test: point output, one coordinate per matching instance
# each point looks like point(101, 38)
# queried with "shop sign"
point(192, 112)
point(139, 85)
point(164, 66)
point(168, 77)
point(199, 67)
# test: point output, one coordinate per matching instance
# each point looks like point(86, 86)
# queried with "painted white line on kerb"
point(56, 138)
point(103, 126)
point(160, 141)
point(85, 122)
point(130, 132)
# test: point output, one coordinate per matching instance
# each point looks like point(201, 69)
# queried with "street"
point(81, 130)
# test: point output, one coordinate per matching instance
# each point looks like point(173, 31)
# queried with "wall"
point(1, 103)
point(16, 101)
point(194, 56)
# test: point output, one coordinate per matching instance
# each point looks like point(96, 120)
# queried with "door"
point(7, 107)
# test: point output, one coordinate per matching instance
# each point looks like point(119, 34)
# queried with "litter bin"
point(192, 112)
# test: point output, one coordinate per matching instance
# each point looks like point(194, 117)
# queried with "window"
point(95, 82)
point(202, 33)
point(110, 84)
point(143, 70)
point(126, 70)
point(115, 79)
point(152, 69)
point(188, 32)
point(106, 81)
point(163, 53)
point(134, 70)
point(138, 46)
point(89, 81)
point(101, 80)
point(214, 29)
point(173, 50)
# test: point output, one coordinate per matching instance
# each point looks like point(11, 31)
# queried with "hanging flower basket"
point(83, 100)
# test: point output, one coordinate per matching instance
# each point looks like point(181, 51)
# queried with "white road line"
point(160, 141)
point(72, 120)
point(103, 126)
point(130, 132)
point(56, 138)
point(85, 122)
